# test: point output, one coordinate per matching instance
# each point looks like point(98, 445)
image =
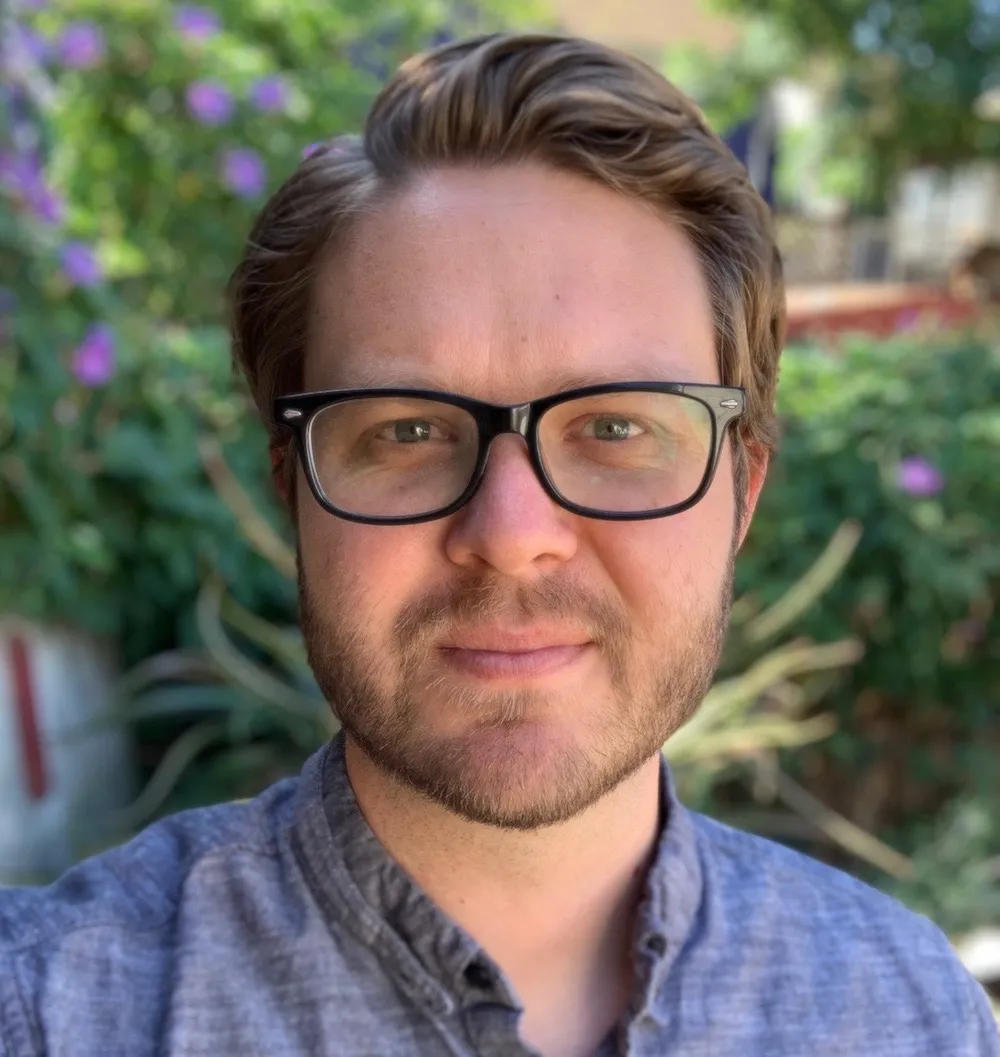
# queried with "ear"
point(757, 464)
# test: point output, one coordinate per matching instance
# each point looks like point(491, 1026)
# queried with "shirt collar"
point(360, 887)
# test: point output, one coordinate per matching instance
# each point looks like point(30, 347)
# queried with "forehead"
point(508, 284)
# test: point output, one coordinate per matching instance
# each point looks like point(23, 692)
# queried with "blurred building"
point(646, 27)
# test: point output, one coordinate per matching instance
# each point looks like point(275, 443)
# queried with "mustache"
point(480, 600)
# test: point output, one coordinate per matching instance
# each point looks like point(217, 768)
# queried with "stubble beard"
point(493, 770)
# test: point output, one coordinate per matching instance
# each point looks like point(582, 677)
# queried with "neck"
point(553, 904)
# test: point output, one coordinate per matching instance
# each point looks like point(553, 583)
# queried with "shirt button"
point(656, 944)
point(478, 976)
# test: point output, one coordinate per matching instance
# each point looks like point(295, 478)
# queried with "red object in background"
point(877, 309)
point(25, 707)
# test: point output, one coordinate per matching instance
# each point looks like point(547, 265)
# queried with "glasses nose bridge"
point(499, 419)
point(519, 419)
point(508, 418)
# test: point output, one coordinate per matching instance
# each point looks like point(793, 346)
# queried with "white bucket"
point(65, 767)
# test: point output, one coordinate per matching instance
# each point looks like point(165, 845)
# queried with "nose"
point(511, 525)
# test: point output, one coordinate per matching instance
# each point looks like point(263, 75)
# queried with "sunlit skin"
point(507, 285)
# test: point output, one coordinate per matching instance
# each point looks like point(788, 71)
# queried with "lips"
point(515, 653)
point(528, 664)
point(516, 640)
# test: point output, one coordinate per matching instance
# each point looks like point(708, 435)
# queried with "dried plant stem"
point(243, 672)
point(817, 580)
point(841, 830)
point(259, 534)
point(175, 762)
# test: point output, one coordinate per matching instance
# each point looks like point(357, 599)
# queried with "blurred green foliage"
point(956, 867)
point(728, 88)
point(909, 74)
point(141, 165)
point(733, 87)
point(904, 437)
point(108, 521)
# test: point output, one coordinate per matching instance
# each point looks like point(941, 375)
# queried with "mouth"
point(493, 653)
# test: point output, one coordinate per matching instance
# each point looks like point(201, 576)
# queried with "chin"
point(518, 747)
point(514, 772)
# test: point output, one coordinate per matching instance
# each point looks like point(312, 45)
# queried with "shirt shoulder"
point(804, 926)
point(766, 880)
point(89, 957)
point(137, 886)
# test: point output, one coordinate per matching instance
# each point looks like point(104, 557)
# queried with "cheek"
point(359, 574)
point(671, 568)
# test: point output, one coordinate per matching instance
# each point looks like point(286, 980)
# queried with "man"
point(517, 349)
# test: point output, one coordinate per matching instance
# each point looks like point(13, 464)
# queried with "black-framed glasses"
point(618, 452)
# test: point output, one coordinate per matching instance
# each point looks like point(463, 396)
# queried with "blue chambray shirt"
point(282, 928)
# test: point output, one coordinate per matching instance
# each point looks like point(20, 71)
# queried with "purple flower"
point(269, 93)
point(32, 42)
point(209, 103)
point(80, 264)
point(46, 204)
point(17, 171)
point(20, 169)
point(196, 23)
point(918, 477)
point(21, 174)
point(243, 172)
point(94, 358)
point(81, 46)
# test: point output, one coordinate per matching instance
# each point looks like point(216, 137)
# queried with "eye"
point(408, 431)
point(611, 427)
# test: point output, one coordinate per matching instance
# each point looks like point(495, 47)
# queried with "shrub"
point(108, 520)
point(904, 437)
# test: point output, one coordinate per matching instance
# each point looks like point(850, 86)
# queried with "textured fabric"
point(281, 928)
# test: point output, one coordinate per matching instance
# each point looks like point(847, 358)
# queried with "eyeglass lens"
point(614, 452)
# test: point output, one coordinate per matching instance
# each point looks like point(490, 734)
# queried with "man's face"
point(514, 661)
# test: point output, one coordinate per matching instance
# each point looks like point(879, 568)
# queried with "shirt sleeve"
point(983, 1035)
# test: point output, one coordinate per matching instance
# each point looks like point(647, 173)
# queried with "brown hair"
point(501, 99)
